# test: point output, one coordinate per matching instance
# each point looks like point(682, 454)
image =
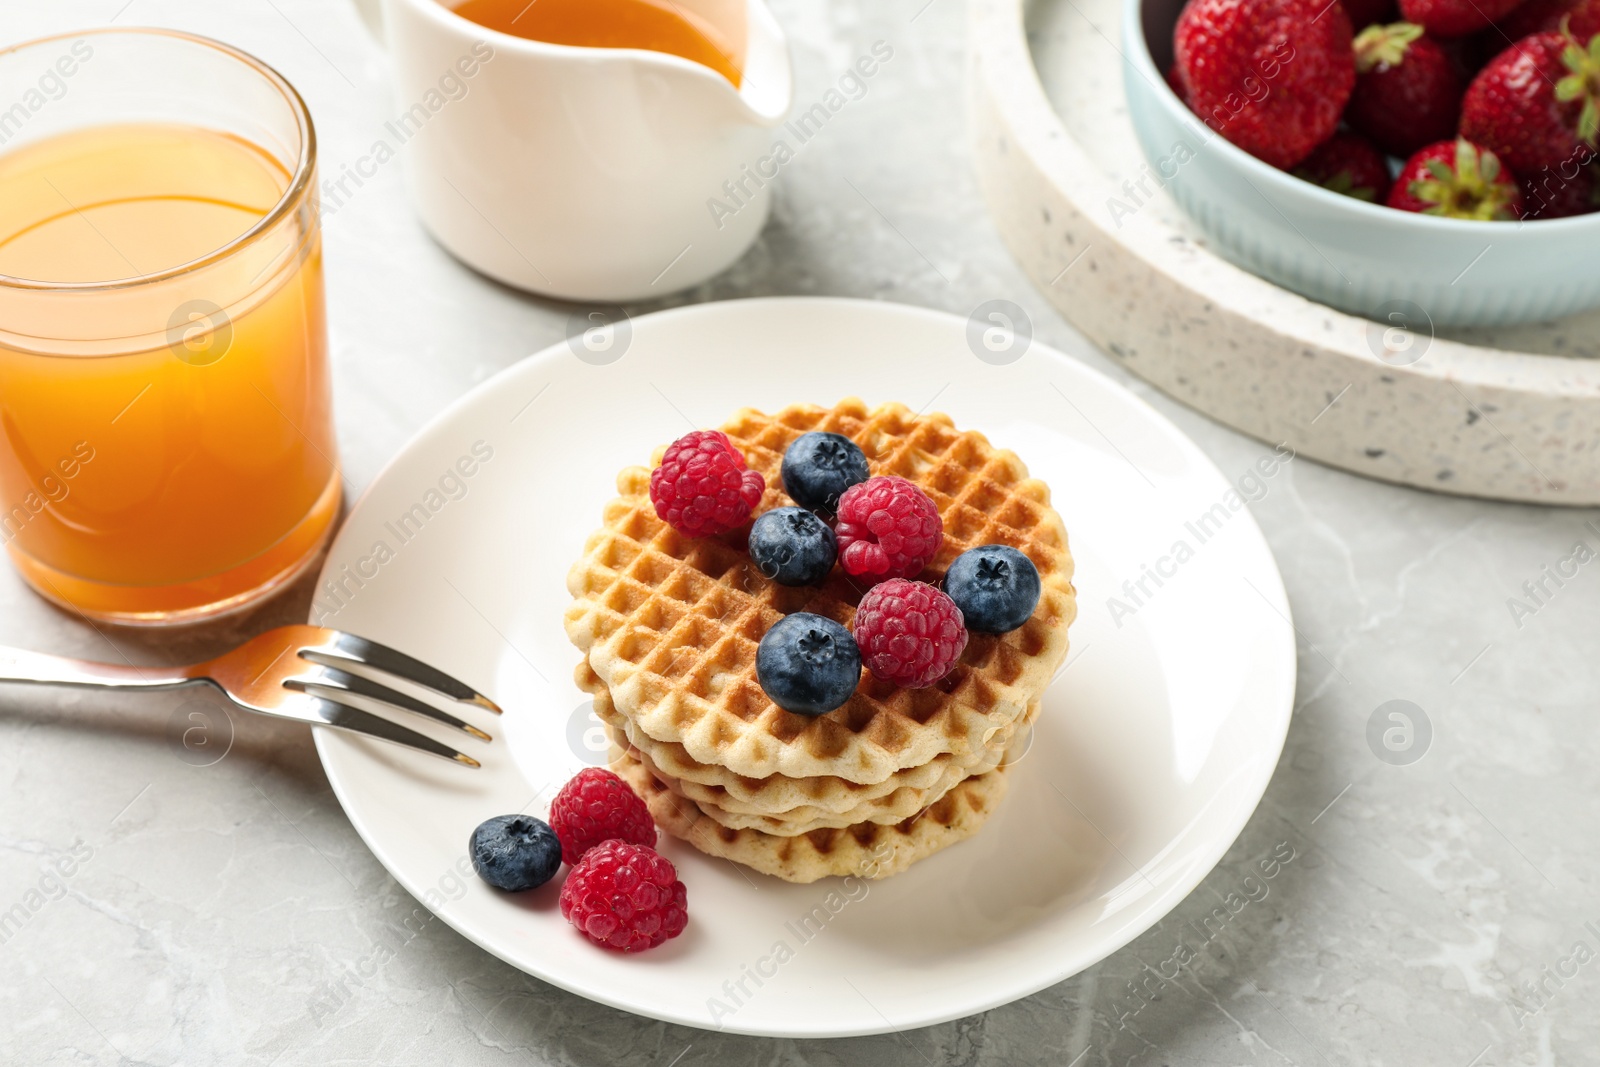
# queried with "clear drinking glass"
point(168, 450)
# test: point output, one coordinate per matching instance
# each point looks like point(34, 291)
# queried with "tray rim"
point(1015, 129)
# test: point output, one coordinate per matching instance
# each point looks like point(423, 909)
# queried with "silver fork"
point(292, 672)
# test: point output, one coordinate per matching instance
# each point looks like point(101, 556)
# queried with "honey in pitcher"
point(647, 24)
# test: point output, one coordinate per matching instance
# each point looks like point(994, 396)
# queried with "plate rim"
point(1157, 909)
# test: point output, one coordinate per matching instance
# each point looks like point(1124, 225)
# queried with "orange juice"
point(168, 449)
point(654, 25)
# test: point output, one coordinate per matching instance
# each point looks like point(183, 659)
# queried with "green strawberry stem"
point(1386, 45)
point(1472, 189)
point(1583, 83)
point(1344, 183)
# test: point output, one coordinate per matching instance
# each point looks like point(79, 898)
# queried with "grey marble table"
point(1441, 911)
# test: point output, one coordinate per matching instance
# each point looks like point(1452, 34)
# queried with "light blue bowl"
point(1392, 266)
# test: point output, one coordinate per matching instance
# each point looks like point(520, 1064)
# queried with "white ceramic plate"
point(1154, 746)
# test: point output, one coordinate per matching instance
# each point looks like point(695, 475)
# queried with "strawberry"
point(1537, 104)
point(1408, 90)
point(1561, 192)
point(1364, 13)
point(1545, 16)
point(1453, 18)
point(1350, 164)
point(1458, 180)
point(1272, 76)
point(1583, 21)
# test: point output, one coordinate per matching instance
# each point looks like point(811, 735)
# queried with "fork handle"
point(38, 668)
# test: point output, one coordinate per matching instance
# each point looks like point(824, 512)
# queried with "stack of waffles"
point(669, 627)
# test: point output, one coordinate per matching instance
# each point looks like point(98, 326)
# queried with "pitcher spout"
point(767, 89)
point(753, 43)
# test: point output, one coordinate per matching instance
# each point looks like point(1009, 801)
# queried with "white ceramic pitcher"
point(588, 174)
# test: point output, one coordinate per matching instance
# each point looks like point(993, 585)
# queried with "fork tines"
point(348, 648)
point(332, 685)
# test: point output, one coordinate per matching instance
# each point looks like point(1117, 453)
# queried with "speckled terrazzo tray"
point(1509, 413)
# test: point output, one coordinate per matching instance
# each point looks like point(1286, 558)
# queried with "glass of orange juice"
point(168, 451)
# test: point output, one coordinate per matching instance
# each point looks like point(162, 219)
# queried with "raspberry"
point(909, 633)
point(703, 487)
point(625, 897)
point(596, 806)
point(887, 528)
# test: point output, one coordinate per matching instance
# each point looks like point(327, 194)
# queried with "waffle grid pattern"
point(671, 624)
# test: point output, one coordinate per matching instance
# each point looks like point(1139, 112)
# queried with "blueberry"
point(995, 586)
point(808, 664)
point(515, 852)
point(819, 467)
point(793, 546)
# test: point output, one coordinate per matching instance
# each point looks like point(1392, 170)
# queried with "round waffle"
point(866, 850)
point(778, 795)
point(670, 624)
point(892, 808)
